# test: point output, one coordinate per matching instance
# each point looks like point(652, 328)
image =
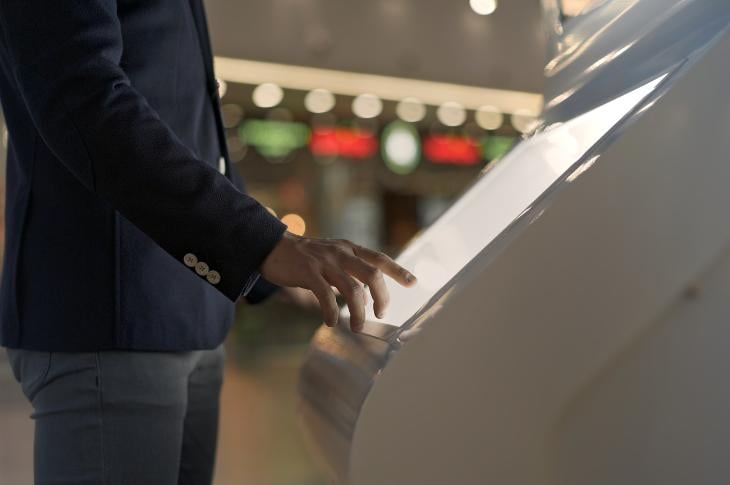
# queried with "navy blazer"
point(125, 229)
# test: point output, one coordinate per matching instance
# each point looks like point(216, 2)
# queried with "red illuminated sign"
point(343, 142)
point(451, 150)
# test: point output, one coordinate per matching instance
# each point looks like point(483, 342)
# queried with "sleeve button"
point(201, 268)
point(190, 260)
point(213, 277)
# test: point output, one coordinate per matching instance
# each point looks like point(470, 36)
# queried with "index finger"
point(386, 265)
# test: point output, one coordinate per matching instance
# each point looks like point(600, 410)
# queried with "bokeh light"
point(319, 101)
point(367, 106)
point(451, 114)
point(232, 115)
point(401, 147)
point(483, 7)
point(411, 110)
point(295, 224)
point(267, 95)
point(222, 87)
point(489, 117)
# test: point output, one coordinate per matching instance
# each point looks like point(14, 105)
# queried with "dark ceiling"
point(440, 40)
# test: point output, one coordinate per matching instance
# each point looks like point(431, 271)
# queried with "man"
point(129, 238)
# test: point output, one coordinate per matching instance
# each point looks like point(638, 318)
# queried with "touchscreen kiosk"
point(568, 325)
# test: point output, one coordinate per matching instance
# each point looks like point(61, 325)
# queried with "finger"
point(373, 277)
point(386, 265)
point(353, 291)
point(327, 301)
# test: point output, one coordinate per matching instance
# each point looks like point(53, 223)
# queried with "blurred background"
point(348, 119)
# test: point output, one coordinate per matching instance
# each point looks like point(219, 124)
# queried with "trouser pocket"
point(30, 369)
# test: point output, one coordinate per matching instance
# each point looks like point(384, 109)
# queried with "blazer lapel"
point(201, 26)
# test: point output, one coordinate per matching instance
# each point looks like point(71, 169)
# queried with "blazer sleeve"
point(66, 61)
point(260, 289)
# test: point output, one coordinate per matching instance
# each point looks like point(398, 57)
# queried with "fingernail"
point(410, 278)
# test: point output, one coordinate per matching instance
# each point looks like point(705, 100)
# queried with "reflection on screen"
point(496, 200)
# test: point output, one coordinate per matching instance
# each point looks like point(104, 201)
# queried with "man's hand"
point(320, 264)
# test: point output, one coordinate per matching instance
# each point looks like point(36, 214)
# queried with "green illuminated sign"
point(274, 138)
point(494, 146)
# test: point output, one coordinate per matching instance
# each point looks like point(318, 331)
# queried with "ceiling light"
point(483, 7)
point(367, 106)
point(319, 101)
point(451, 114)
point(411, 110)
point(267, 95)
point(489, 117)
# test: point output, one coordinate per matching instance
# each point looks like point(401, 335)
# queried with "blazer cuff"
point(261, 290)
point(250, 283)
point(242, 274)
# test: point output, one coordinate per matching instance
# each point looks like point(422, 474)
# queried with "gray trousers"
point(122, 418)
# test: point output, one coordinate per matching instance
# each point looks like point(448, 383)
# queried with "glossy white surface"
point(573, 356)
point(497, 199)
